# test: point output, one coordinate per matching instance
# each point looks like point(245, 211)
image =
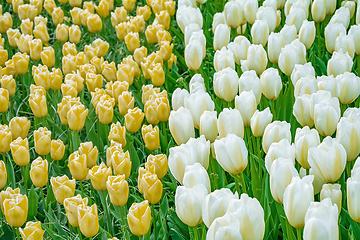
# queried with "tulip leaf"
point(354, 226)
point(51, 233)
point(10, 172)
point(55, 223)
point(33, 204)
point(6, 232)
point(321, 70)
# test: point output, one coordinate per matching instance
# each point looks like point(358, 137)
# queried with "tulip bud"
point(109, 71)
point(349, 87)
point(328, 159)
point(19, 150)
point(62, 187)
point(226, 84)
point(274, 132)
point(307, 33)
point(105, 111)
point(12, 35)
point(287, 59)
point(139, 218)
point(333, 191)
point(221, 36)
point(88, 219)
point(160, 164)
point(145, 11)
point(226, 156)
point(249, 81)
point(208, 125)
point(301, 110)
point(239, 48)
point(225, 227)
point(94, 23)
point(57, 15)
point(187, 14)
point(326, 116)
point(8, 83)
point(256, 59)
point(332, 31)
point(103, 8)
point(194, 54)
point(78, 165)
point(181, 125)
point(57, 149)
point(21, 62)
point(224, 59)
point(98, 175)
point(299, 190)
point(321, 220)
point(6, 22)
point(76, 117)
point(132, 41)
point(16, 210)
point(281, 149)
point(260, 32)
point(70, 205)
point(234, 14)
point(3, 175)
point(42, 139)
point(26, 27)
point(203, 103)
point(236, 127)
point(39, 172)
point(48, 56)
point(151, 137)
point(271, 83)
point(62, 33)
point(304, 140)
point(118, 189)
point(196, 174)
point(259, 121)
point(9, 68)
point(133, 119)
point(250, 9)
point(348, 133)
point(32, 230)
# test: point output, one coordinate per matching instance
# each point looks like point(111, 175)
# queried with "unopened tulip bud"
point(181, 125)
point(57, 15)
point(333, 191)
point(94, 23)
point(109, 71)
point(8, 83)
point(88, 219)
point(274, 132)
point(62, 187)
point(260, 32)
point(36, 48)
point(70, 205)
point(133, 119)
point(16, 210)
point(349, 87)
point(139, 218)
point(332, 31)
point(271, 83)
point(132, 41)
point(48, 56)
point(76, 117)
point(118, 189)
point(307, 33)
point(221, 36)
point(39, 172)
point(99, 175)
point(57, 149)
point(26, 26)
point(20, 151)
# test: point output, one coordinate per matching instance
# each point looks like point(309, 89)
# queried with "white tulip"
point(305, 138)
point(269, 15)
point(330, 84)
point(178, 97)
point(274, 132)
point(208, 125)
point(225, 227)
point(305, 85)
point(326, 116)
point(348, 134)
point(271, 83)
point(259, 121)
point(302, 110)
point(349, 87)
point(302, 71)
point(289, 33)
point(223, 59)
point(277, 150)
point(246, 104)
point(221, 36)
point(332, 191)
point(332, 31)
point(275, 43)
point(181, 125)
point(196, 174)
point(197, 84)
point(239, 48)
point(249, 81)
point(197, 103)
point(185, 15)
point(230, 121)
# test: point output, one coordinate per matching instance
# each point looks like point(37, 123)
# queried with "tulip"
point(352, 188)
point(118, 189)
point(3, 56)
point(36, 48)
point(157, 75)
point(9, 193)
point(139, 54)
point(88, 219)
point(133, 119)
point(4, 100)
point(32, 230)
point(348, 134)
point(139, 218)
point(208, 125)
point(115, 89)
point(57, 15)
point(150, 32)
point(21, 62)
point(305, 85)
point(78, 165)
point(230, 161)
point(328, 159)
point(189, 202)
point(16, 210)
point(152, 188)
point(203, 103)
point(287, 59)
point(239, 48)
point(224, 59)
point(69, 48)
point(90, 6)
point(256, 59)
point(345, 43)
point(160, 164)
point(274, 132)
point(9, 68)
point(216, 204)
point(114, 146)
point(6, 22)
point(94, 23)
point(232, 116)
point(318, 10)
point(105, 111)
point(196, 174)
point(221, 36)
point(271, 84)
point(301, 110)
point(19, 127)
point(349, 87)
point(103, 8)
point(62, 33)
point(26, 26)
point(62, 187)
point(151, 137)
point(3, 175)
point(276, 41)
point(108, 71)
point(304, 140)
point(98, 176)
point(355, 33)
point(121, 163)
point(342, 15)
point(75, 15)
point(42, 139)
point(117, 133)
point(225, 227)
point(326, 116)
point(8, 83)
point(70, 205)
point(333, 192)
point(281, 149)
point(197, 84)
point(76, 117)
point(192, 30)
point(12, 35)
point(178, 97)
point(260, 32)
point(250, 81)
point(118, 16)
point(20, 151)
point(307, 33)
point(329, 83)
point(194, 54)
point(48, 56)
point(181, 125)
point(321, 221)
point(250, 9)
point(69, 89)
point(90, 152)
point(332, 31)
point(259, 121)
point(39, 172)
point(234, 14)
point(226, 84)
point(188, 14)
point(218, 18)
point(57, 149)
point(132, 41)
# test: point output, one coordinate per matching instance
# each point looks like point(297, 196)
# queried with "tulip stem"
point(106, 210)
point(79, 232)
point(154, 219)
point(122, 220)
point(43, 198)
point(358, 64)
point(242, 181)
point(318, 33)
point(298, 231)
point(196, 233)
point(17, 233)
point(25, 178)
point(58, 166)
point(82, 189)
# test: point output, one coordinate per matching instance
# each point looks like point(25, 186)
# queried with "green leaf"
point(52, 219)
point(321, 70)
point(355, 227)
point(51, 233)
point(10, 172)
point(33, 204)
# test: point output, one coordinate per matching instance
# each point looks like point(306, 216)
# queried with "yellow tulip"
point(118, 189)
point(147, 91)
point(151, 137)
point(140, 54)
point(75, 3)
point(48, 56)
point(125, 102)
point(157, 75)
point(32, 231)
point(42, 33)
point(42, 139)
point(21, 62)
point(157, 109)
point(57, 16)
point(40, 19)
point(5, 138)
point(3, 175)
point(152, 188)
point(20, 151)
point(133, 119)
point(118, 16)
point(97, 63)
point(163, 18)
point(81, 59)
point(27, 11)
point(103, 8)
point(38, 105)
point(166, 50)
point(145, 11)
point(3, 56)
point(160, 164)
point(69, 89)
point(91, 153)
point(78, 165)
point(121, 30)
point(101, 47)
point(74, 34)
point(26, 26)
point(121, 163)
point(90, 6)
point(38, 5)
point(105, 110)
point(36, 48)
point(170, 7)
point(49, 6)
point(16, 4)
point(109, 71)
point(16, 210)
point(39, 172)
point(139, 218)
point(115, 89)
point(9, 193)
point(8, 83)
point(75, 77)
point(99, 175)
point(6, 22)
point(162, 35)
point(23, 43)
point(69, 64)
point(76, 117)
point(9, 68)
point(41, 76)
point(70, 205)
point(56, 79)
point(12, 35)
point(62, 33)
point(150, 33)
point(94, 23)
point(37, 90)
point(93, 81)
point(19, 127)
point(114, 146)
point(57, 149)
point(75, 15)
point(138, 22)
point(88, 220)
point(84, 16)
point(129, 5)
point(132, 41)
point(69, 48)
point(62, 187)
point(86, 68)
point(117, 133)
point(98, 95)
